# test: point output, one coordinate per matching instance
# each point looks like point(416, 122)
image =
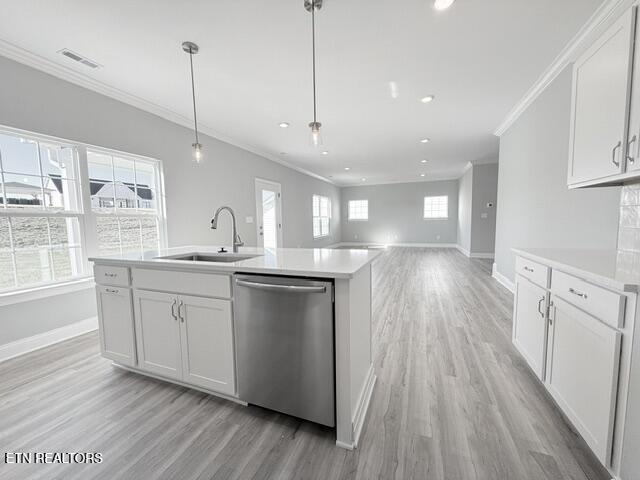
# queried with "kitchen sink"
point(210, 257)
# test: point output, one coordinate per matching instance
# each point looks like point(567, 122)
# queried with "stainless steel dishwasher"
point(284, 345)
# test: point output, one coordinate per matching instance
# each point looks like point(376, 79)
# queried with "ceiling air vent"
point(79, 58)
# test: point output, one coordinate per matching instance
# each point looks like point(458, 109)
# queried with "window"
point(436, 207)
point(124, 193)
point(321, 216)
point(46, 229)
point(358, 209)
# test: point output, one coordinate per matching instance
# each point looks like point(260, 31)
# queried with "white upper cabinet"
point(602, 93)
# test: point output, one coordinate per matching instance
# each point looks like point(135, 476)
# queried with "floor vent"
point(79, 58)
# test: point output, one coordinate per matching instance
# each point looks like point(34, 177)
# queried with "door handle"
point(281, 288)
point(173, 309)
point(181, 311)
point(540, 306)
point(613, 154)
point(631, 158)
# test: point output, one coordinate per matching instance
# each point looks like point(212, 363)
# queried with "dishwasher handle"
point(281, 288)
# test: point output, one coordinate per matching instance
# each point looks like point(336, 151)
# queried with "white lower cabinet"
point(115, 320)
point(582, 373)
point(158, 333)
point(530, 324)
point(186, 338)
point(207, 343)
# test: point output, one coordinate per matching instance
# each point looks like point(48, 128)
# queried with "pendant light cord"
point(313, 48)
point(193, 95)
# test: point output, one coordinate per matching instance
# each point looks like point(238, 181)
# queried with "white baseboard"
point(411, 245)
point(363, 405)
point(467, 253)
point(29, 344)
point(502, 280)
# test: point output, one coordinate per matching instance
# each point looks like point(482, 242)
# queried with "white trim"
point(393, 182)
point(501, 279)
point(44, 291)
point(33, 60)
point(376, 244)
point(36, 342)
point(601, 18)
point(363, 406)
point(463, 250)
point(468, 254)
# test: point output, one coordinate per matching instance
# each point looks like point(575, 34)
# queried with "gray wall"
point(396, 213)
point(37, 102)
point(535, 208)
point(465, 198)
point(483, 230)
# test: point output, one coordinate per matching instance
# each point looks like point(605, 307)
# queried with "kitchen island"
point(169, 314)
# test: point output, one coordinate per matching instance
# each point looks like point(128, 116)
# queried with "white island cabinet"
point(574, 327)
point(172, 318)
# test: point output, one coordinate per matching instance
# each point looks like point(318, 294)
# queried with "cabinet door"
point(158, 333)
point(601, 87)
point(115, 319)
point(582, 373)
point(207, 343)
point(530, 324)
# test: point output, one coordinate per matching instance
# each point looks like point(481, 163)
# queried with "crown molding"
point(42, 64)
point(396, 182)
point(601, 18)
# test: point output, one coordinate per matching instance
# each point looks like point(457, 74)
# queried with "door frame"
point(260, 184)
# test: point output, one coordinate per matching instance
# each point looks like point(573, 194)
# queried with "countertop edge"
point(582, 273)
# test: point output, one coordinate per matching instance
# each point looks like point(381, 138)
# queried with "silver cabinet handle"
point(631, 158)
point(540, 306)
point(111, 290)
point(173, 309)
point(110, 275)
point(281, 288)
point(181, 311)
point(613, 154)
point(576, 292)
point(529, 269)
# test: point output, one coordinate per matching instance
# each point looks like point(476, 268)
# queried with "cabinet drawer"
point(603, 304)
point(191, 283)
point(106, 275)
point(534, 271)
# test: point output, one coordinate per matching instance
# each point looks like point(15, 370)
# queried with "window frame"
point(320, 216)
point(424, 207)
point(87, 219)
point(349, 218)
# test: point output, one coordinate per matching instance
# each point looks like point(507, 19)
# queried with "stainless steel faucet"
point(236, 241)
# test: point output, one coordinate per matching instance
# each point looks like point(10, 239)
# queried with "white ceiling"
point(254, 71)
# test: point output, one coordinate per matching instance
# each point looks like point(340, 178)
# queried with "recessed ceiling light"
point(364, 179)
point(423, 161)
point(325, 152)
point(283, 153)
point(347, 168)
point(283, 125)
point(442, 4)
point(427, 99)
point(423, 174)
point(425, 140)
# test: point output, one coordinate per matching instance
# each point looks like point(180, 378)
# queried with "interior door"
point(207, 343)
point(268, 214)
point(582, 373)
point(530, 324)
point(158, 333)
point(601, 87)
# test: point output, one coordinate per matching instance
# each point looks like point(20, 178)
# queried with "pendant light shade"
point(191, 48)
point(316, 137)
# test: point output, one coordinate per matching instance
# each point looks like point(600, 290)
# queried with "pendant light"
point(191, 48)
point(312, 6)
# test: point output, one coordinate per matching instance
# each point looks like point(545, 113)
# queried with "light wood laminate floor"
point(453, 401)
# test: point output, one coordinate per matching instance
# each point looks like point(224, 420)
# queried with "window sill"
point(435, 218)
point(44, 291)
point(322, 236)
point(358, 219)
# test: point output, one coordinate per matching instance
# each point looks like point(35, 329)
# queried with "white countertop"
point(308, 262)
point(607, 268)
